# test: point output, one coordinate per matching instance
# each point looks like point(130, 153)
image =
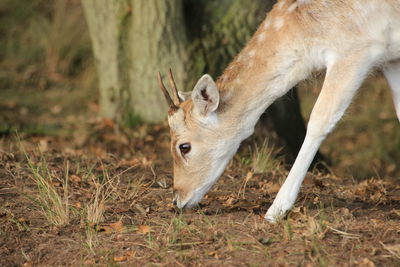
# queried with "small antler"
point(170, 103)
point(177, 100)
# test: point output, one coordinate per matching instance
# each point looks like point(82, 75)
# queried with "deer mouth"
point(188, 202)
point(192, 198)
point(178, 202)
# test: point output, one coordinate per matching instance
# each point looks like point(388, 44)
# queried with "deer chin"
point(194, 197)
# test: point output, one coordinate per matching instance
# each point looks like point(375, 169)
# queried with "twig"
point(343, 233)
point(391, 250)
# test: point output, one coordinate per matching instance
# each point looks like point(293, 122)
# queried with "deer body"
point(348, 38)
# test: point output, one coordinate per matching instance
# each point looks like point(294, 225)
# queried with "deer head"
point(200, 145)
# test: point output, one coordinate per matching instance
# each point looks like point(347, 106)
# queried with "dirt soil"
point(75, 190)
point(119, 201)
point(336, 221)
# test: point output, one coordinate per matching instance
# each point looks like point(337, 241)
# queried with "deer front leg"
point(341, 82)
point(392, 74)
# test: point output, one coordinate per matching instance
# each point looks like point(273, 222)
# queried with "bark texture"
point(132, 41)
point(103, 20)
point(220, 29)
point(157, 41)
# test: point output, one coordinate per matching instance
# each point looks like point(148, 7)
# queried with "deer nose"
point(176, 196)
point(178, 199)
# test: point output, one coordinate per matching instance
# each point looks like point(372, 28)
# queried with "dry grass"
point(112, 202)
point(263, 158)
point(54, 205)
point(334, 223)
point(103, 190)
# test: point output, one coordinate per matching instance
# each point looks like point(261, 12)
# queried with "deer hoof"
point(277, 211)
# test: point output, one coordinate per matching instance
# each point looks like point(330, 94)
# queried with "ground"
point(76, 191)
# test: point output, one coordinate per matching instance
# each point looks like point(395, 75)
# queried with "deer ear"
point(205, 95)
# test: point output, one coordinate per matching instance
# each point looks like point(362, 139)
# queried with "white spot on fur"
point(278, 23)
point(303, 2)
point(281, 4)
point(292, 7)
point(252, 53)
point(261, 37)
point(267, 24)
point(251, 64)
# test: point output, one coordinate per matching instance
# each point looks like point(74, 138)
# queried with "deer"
point(347, 39)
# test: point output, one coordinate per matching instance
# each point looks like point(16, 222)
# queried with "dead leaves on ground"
point(116, 227)
point(393, 249)
point(377, 191)
point(143, 229)
point(119, 227)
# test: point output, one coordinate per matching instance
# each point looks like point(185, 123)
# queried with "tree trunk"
point(103, 20)
point(132, 41)
point(157, 42)
point(218, 30)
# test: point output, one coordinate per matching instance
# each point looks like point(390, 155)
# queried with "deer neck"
point(264, 71)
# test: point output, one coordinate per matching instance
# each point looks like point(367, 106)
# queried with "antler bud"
point(177, 100)
point(171, 104)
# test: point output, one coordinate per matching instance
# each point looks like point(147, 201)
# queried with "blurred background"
point(70, 67)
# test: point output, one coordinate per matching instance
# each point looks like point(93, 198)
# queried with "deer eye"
point(184, 148)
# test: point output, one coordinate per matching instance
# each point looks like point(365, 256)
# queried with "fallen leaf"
point(273, 188)
point(116, 227)
point(143, 229)
point(89, 262)
point(366, 262)
point(120, 258)
point(75, 178)
point(106, 123)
